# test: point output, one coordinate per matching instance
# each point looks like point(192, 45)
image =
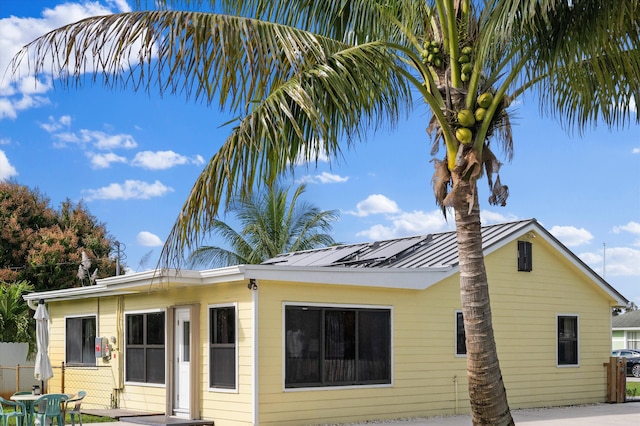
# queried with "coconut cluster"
point(465, 63)
point(432, 54)
point(467, 119)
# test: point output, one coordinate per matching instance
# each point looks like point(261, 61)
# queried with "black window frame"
point(82, 354)
point(342, 346)
point(223, 346)
point(145, 350)
point(568, 345)
point(461, 339)
point(525, 256)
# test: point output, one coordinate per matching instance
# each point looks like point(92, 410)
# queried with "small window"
point(222, 347)
point(525, 262)
point(80, 338)
point(145, 347)
point(461, 342)
point(567, 340)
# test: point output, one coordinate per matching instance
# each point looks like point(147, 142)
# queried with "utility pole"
point(604, 259)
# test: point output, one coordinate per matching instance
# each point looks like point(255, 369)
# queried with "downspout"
point(455, 390)
point(32, 303)
point(254, 299)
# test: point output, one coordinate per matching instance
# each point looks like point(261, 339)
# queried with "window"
point(525, 262)
point(567, 340)
point(337, 346)
point(633, 339)
point(80, 335)
point(461, 340)
point(144, 352)
point(222, 347)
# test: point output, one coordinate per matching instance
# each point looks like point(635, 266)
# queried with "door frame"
point(194, 363)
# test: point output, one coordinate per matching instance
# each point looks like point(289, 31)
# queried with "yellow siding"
point(426, 373)
point(428, 379)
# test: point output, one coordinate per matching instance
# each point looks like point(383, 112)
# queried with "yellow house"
point(334, 335)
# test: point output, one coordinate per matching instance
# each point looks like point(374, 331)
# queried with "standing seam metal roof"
point(425, 251)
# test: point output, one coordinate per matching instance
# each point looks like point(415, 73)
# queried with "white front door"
point(182, 357)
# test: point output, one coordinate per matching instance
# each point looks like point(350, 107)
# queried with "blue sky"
point(133, 159)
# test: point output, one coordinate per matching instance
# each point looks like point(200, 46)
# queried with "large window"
point(567, 340)
point(80, 336)
point(334, 346)
point(145, 348)
point(222, 347)
point(461, 341)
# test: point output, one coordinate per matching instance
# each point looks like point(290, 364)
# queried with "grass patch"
point(633, 388)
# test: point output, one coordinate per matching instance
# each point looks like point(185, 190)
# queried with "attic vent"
point(525, 262)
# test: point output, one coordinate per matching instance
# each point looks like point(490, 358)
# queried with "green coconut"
point(485, 99)
point(464, 135)
point(466, 118)
point(480, 113)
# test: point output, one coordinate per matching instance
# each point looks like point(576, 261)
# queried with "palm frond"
point(355, 91)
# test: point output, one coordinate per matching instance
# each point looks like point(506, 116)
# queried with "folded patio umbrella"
point(42, 370)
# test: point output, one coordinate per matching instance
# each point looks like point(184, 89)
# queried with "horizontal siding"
point(428, 378)
point(426, 372)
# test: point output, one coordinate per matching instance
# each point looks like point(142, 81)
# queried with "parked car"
point(633, 360)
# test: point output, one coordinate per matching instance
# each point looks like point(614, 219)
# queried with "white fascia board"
point(400, 278)
point(141, 281)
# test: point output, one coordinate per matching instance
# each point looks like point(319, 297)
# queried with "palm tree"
point(16, 320)
point(307, 77)
point(270, 225)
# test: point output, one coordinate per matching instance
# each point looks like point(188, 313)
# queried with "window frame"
point(92, 342)
point(233, 389)
point(126, 346)
point(525, 256)
point(458, 353)
point(330, 306)
point(577, 341)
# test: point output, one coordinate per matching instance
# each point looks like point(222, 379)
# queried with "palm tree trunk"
point(487, 393)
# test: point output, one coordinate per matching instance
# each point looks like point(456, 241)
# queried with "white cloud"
point(408, 224)
point(15, 32)
point(53, 125)
point(375, 204)
point(301, 160)
point(571, 236)
point(323, 177)
point(631, 227)
point(9, 108)
point(618, 261)
point(103, 161)
point(488, 217)
point(635, 151)
point(98, 139)
point(148, 239)
point(5, 141)
point(161, 160)
point(130, 189)
point(6, 169)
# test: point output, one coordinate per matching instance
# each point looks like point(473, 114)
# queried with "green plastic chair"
point(18, 412)
point(73, 407)
point(49, 405)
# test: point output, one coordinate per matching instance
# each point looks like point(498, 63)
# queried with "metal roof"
point(424, 251)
